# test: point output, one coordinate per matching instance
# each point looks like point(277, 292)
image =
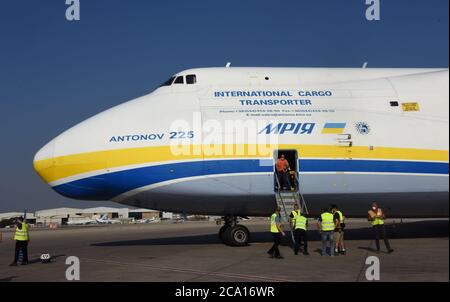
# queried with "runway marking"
point(192, 271)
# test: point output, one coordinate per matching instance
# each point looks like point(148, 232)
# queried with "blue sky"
point(55, 73)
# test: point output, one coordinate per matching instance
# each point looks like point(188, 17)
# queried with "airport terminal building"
point(62, 216)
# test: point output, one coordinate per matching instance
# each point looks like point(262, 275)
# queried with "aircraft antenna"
point(228, 65)
point(365, 65)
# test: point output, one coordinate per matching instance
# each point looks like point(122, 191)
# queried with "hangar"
point(61, 216)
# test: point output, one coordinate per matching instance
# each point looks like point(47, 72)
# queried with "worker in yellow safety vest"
point(376, 217)
point(22, 237)
point(300, 234)
point(276, 229)
point(327, 224)
point(294, 214)
point(339, 246)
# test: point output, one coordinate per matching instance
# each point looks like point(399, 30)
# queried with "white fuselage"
point(207, 145)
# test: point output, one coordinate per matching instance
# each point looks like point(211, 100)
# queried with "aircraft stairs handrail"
point(302, 203)
point(283, 207)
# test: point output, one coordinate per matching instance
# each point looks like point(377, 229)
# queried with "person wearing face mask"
point(377, 217)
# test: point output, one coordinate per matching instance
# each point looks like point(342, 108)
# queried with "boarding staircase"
point(286, 201)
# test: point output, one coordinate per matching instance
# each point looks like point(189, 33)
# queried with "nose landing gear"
point(234, 234)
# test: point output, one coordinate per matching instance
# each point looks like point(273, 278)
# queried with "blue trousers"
point(21, 246)
point(325, 237)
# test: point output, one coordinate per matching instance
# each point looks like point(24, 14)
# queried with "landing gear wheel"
point(237, 235)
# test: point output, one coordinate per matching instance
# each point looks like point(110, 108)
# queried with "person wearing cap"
point(376, 217)
point(276, 229)
point(22, 237)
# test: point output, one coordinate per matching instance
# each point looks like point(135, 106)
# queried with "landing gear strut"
point(234, 234)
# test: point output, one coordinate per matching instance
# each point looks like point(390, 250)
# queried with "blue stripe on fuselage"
point(335, 125)
point(107, 186)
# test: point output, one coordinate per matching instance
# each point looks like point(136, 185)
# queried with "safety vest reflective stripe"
point(22, 234)
point(273, 223)
point(341, 217)
point(301, 223)
point(327, 222)
point(378, 220)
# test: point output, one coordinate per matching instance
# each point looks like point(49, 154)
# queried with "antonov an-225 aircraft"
point(206, 141)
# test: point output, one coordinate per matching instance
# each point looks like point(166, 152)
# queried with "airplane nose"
point(43, 161)
point(70, 174)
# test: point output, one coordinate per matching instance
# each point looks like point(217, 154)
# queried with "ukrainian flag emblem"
point(333, 128)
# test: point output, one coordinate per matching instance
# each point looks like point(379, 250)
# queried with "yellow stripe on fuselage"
point(333, 130)
point(70, 165)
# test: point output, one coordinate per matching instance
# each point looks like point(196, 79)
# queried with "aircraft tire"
point(237, 235)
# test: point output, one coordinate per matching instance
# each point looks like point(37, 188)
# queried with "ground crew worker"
point(276, 229)
point(377, 217)
point(300, 233)
point(295, 212)
point(327, 224)
point(339, 247)
point(282, 168)
point(22, 237)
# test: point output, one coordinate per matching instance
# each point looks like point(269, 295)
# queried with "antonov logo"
point(293, 128)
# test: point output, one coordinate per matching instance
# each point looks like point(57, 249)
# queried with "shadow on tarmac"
point(420, 229)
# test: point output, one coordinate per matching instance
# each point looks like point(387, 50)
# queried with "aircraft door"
point(286, 170)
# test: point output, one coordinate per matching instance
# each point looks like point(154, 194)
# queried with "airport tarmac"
point(191, 251)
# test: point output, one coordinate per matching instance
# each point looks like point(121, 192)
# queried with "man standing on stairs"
point(282, 168)
point(276, 229)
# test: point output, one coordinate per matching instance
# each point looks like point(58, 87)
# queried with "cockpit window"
point(168, 82)
point(191, 79)
point(179, 80)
